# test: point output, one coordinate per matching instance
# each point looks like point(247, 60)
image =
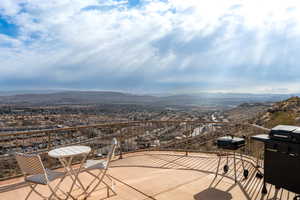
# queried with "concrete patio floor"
point(165, 176)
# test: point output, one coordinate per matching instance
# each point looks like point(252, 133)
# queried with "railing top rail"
point(68, 128)
point(260, 127)
point(122, 124)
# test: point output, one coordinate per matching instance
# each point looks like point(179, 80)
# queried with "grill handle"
point(294, 155)
point(281, 136)
point(273, 150)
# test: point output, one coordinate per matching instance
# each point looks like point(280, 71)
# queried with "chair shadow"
point(213, 194)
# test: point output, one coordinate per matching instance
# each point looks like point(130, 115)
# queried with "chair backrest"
point(112, 150)
point(30, 164)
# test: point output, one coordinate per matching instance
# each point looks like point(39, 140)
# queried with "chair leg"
point(33, 189)
point(66, 163)
point(109, 188)
point(30, 191)
point(76, 177)
point(57, 187)
point(98, 183)
point(113, 183)
point(53, 193)
point(95, 178)
point(112, 180)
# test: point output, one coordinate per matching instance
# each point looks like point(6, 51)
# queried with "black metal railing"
point(184, 136)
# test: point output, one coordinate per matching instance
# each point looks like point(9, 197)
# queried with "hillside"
point(285, 112)
point(246, 111)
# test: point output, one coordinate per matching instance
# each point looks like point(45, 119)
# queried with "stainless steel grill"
point(282, 158)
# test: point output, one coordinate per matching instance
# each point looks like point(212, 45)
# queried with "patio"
point(165, 175)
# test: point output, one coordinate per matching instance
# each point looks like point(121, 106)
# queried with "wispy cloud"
point(151, 45)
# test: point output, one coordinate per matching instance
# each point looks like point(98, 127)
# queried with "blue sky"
point(146, 46)
point(8, 28)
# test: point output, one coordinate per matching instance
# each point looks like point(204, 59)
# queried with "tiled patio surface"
point(166, 176)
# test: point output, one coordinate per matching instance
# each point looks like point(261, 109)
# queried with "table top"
point(69, 151)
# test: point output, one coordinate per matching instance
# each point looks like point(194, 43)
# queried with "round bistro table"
point(65, 155)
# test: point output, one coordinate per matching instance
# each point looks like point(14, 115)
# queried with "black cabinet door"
point(282, 169)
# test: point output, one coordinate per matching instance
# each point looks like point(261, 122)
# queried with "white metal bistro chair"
point(102, 167)
point(35, 174)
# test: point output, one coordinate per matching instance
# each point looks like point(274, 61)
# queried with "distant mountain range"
point(107, 97)
point(77, 97)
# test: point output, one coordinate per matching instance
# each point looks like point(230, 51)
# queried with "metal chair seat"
point(41, 178)
point(95, 164)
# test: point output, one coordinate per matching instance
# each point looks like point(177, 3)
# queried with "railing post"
point(187, 132)
point(49, 140)
point(121, 146)
point(121, 151)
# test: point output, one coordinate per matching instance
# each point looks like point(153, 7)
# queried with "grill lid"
point(230, 139)
point(286, 133)
point(230, 142)
point(283, 128)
